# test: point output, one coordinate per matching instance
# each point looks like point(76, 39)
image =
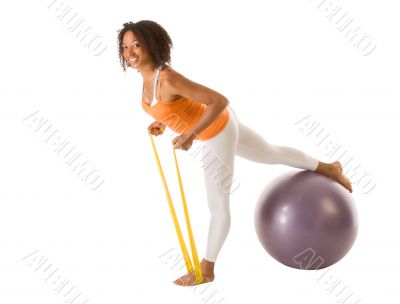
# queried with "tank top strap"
point(154, 101)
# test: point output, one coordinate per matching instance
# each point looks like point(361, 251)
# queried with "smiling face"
point(133, 51)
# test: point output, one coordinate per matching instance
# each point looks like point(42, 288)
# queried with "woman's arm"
point(177, 84)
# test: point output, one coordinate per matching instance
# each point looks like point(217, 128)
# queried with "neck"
point(148, 72)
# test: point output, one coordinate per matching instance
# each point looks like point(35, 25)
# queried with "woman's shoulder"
point(169, 74)
point(173, 80)
point(168, 78)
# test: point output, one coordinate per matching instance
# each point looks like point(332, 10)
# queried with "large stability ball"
point(306, 220)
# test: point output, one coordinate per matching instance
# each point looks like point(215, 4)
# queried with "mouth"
point(132, 60)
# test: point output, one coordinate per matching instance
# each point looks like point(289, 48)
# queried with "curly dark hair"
point(152, 36)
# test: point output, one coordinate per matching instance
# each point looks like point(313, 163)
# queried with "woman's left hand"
point(183, 141)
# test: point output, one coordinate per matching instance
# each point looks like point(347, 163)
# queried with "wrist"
point(192, 134)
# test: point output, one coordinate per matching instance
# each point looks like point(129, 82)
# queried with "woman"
point(200, 113)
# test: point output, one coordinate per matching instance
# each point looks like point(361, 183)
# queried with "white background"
point(276, 62)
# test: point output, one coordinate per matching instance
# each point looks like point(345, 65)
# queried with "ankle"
point(322, 167)
point(207, 267)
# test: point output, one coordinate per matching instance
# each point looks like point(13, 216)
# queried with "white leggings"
point(218, 156)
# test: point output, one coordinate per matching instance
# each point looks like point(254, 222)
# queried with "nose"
point(128, 51)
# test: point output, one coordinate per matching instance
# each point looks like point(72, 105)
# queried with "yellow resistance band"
point(189, 266)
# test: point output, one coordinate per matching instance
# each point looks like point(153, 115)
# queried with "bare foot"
point(335, 172)
point(189, 279)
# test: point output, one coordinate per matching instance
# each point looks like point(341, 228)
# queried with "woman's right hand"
point(156, 128)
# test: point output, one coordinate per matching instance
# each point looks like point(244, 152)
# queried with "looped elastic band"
point(188, 262)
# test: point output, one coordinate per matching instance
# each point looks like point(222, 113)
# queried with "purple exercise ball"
point(306, 220)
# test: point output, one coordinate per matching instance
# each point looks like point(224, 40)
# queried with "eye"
point(134, 45)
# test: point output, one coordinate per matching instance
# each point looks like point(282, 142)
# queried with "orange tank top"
point(183, 114)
